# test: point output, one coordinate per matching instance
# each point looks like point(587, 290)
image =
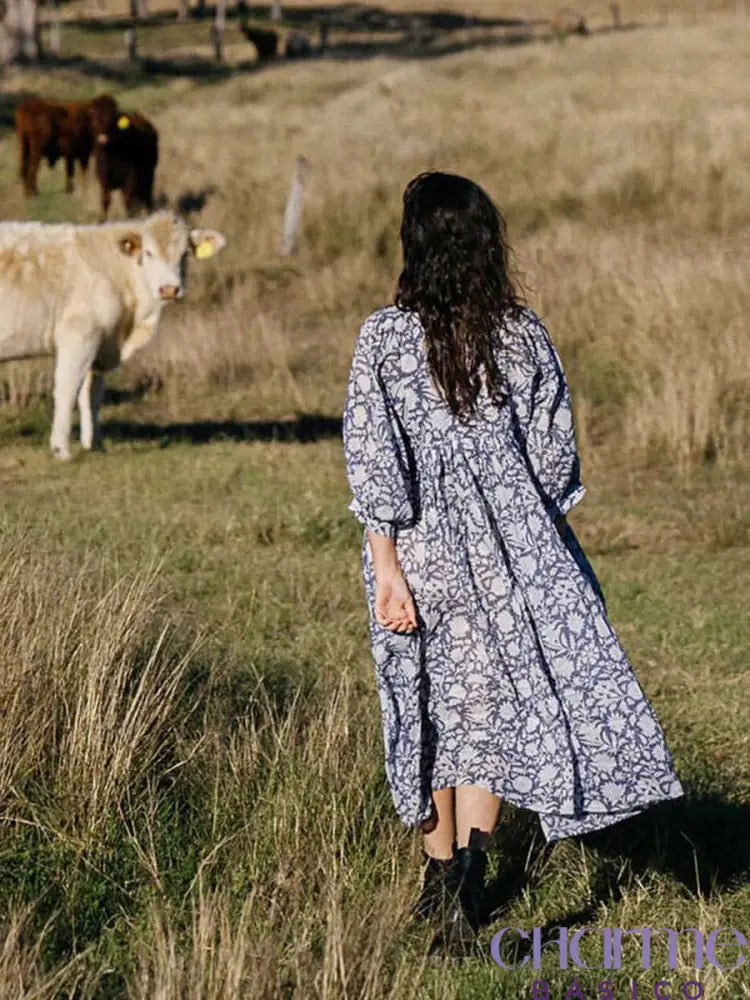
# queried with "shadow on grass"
point(340, 17)
point(700, 841)
point(194, 201)
point(399, 35)
point(306, 427)
point(431, 45)
point(203, 70)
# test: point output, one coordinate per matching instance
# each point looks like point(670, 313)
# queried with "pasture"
point(192, 799)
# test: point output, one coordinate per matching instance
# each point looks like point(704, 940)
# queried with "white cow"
point(90, 296)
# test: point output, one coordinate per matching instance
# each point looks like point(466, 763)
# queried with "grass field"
point(192, 798)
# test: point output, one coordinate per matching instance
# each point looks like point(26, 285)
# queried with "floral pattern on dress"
point(514, 678)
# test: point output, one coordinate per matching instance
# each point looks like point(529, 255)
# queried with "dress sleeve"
point(379, 459)
point(549, 433)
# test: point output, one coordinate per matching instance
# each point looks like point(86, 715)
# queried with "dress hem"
point(585, 822)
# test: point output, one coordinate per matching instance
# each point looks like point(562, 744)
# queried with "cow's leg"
point(140, 335)
point(84, 161)
point(106, 201)
point(97, 395)
point(70, 167)
point(23, 156)
point(72, 362)
point(85, 410)
point(130, 194)
point(147, 190)
point(33, 160)
point(90, 398)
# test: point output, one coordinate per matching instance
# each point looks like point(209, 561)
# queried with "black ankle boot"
point(462, 915)
point(435, 892)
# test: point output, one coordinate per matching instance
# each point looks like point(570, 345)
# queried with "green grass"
point(257, 554)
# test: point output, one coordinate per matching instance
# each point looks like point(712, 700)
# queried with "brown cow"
point(127, 151)
point(50, 130)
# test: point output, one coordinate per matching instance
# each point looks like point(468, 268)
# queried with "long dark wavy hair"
point(456, 278)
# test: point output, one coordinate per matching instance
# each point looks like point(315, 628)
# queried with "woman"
point(499, 674)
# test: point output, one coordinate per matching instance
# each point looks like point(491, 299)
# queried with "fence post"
point(131, 45)
point(217, 28)
point(276, 12)
point(216, 41)
point(55, 30)
point(55, 34)
point(293, 210)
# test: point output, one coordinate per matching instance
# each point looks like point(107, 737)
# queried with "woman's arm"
point(384, 557)
point(394, 604)
point(379, 469)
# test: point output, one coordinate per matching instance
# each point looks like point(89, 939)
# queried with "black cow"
point(127, 151)
point(266, 42)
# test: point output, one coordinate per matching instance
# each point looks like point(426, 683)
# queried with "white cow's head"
point(161, 246)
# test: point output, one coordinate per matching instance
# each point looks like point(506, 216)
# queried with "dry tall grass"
point(625, 197)
point(87, 694)
point(618, 161)
point(99, 732)
point(22, 972)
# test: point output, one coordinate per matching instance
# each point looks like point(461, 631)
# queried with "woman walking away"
point(499, 673)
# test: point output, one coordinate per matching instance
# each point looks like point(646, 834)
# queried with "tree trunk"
point(18, 30)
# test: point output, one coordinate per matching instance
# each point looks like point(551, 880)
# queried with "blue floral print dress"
point(514, 678)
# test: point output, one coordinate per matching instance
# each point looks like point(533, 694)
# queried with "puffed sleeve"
point(549, 433)
point(379, 459)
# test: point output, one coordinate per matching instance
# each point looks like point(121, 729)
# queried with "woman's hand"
point(394, 605)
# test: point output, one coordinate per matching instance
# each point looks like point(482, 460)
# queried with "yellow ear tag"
point(123, 122)
point(204, 249)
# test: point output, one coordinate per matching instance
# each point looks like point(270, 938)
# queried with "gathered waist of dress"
point(474, 449)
